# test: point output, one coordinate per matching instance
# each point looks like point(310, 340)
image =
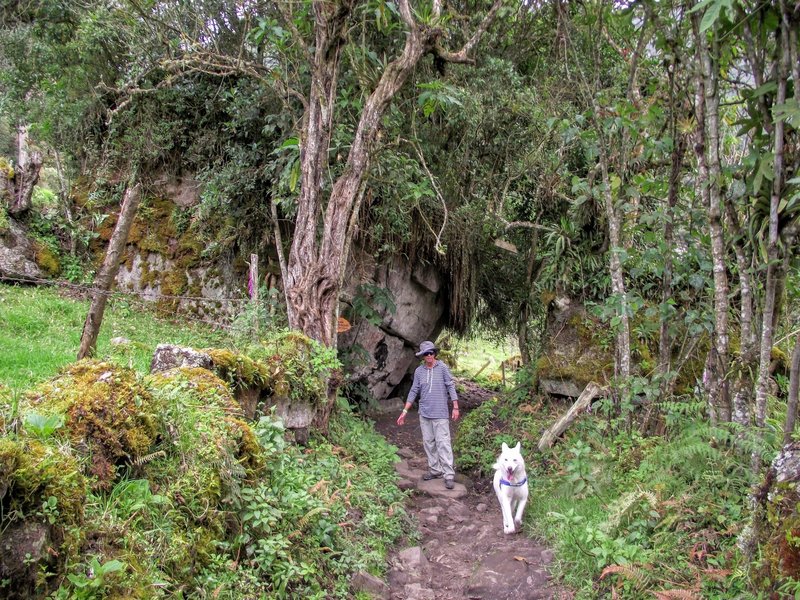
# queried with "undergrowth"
point(219, 507)
point(628, 516)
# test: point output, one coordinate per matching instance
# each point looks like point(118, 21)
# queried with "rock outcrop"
point(17, 253)
point(249, 380)
point(572, 357)
point(390, 344)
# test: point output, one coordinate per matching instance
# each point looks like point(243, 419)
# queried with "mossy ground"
point(107, 411)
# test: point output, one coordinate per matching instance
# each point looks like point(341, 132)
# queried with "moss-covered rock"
point(574, 352)
point(46, 259)
point(106, 410)
point(209, 450)
point(42, 497)
point(239, 370)
point(6, 170)
point(298, 367)
point(31, 471)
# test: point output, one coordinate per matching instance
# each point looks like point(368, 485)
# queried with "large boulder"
point(17, 253)
point(572, 355)
point(391, 337)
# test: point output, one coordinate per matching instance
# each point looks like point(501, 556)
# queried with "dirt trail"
point(462, 552)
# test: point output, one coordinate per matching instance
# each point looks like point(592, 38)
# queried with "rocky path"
point(462, 551)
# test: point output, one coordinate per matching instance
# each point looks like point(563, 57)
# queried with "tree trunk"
point(718, 254)
point(21, 186)
point(717, 363)
point(623, 345)
point(108, 271)
point(665, 338)
point(794, 385)
point(315, 265)
point(63, 196)
point(744, 365)
point(773, 259)
point(22, 145)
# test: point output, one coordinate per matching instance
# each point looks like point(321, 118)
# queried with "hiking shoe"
point(428, 476)
point(448, 483)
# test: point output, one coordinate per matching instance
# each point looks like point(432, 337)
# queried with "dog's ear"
point(518, 447)
point(505, 447)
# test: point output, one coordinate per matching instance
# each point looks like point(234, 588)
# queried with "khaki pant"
point(436, 440)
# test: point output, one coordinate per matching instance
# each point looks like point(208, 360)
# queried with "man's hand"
point(402, 418)
point(456, 413)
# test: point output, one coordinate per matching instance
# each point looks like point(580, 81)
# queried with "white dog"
point(511, 486)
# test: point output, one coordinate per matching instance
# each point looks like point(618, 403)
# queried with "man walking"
point(433, 385)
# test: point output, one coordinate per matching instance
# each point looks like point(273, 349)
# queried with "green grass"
point(481, 354)
point(40, 331)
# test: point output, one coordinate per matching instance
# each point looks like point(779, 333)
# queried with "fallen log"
point(590, 392)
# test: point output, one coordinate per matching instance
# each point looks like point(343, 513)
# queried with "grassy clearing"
point(479, 358)
point(475, 353)
point(40, 333)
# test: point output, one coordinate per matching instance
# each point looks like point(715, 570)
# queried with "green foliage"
point(470, 449)
point(219, 504)
point(437, 95)
point(660, 498)
point(580, 477)
point(484, 429)
point(297, 366)
point(269, 313)
point(94, 581)
point(371, 303)
point(42, 480)
point(239, 370)
point(42, 426)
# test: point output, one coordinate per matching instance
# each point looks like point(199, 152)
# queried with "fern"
point(676, 595)
point(304, 520)
point(627, 506)
point(636, 575)
point(143, 460)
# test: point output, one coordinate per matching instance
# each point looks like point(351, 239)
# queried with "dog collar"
point(504, 482)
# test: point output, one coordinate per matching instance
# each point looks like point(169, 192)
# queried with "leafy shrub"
point(470, 448)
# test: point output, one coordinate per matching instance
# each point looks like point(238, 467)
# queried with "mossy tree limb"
point(791, 403)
